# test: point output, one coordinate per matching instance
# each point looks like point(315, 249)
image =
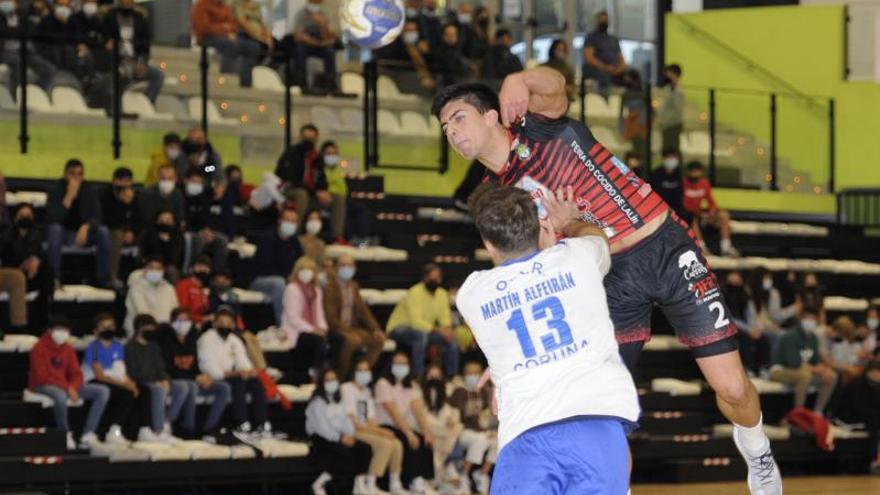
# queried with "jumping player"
point(565, 398)
point(524, 139)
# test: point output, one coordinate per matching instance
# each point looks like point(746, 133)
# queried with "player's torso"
point(550, 154)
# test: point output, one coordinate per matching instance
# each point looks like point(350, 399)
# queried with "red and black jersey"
point(547, 154)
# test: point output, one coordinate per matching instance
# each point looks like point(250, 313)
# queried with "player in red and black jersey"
point(523, 138)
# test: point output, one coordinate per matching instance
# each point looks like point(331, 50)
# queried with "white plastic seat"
point(138, 103)
point(414, 124)
point(172, 105)
point(6, 101)
point(214, 115)
point(609, 138)
point(598, 107)
point(387, 88)
point(37, 99)
point(697, 143)
point(388, 123)
point(325, 118)
point(266, 79)
point(68, 100)
point(352, 83)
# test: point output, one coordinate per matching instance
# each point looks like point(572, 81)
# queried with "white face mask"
point(410, 37)
point(363, 378)
point(767, 283)
point(60, 335)
point(400, 371)
point(331, 160)
point(809, 325)
point(313, 8)
point(872, 323)
point(286, 230)
point(331, 387)
point(182, 327)
point(346, 273)
point(306, 276)
point(90, 9)
point(194, 188)
point(166, 186)
point(471, 381)
point(314, 226)
point(465, 18)
point(62, 12)
point(153, 276)
point(172, 152)
point(670, 164)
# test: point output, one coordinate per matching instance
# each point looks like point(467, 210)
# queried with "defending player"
point(526, 141)
point(565, 398)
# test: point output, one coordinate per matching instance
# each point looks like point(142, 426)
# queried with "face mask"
point(331, 387)
point(313, 8)
point(410, 38)
point(602, 27)
point(194, 188)
point(203, 277)
point(153, 276)
point(313, 226)
point(306, 276)
point(286, 230)
point(400, 371)
point(224, 332)
point(322, 279)
point(172, 152)
point(809, 325)
point(426, 12)
point(164, 228)
point(471, 381)
point(432, 285)
point(7, 7)
point(346, 273)
point(670, 164)
point(62, 12)
point(90, 9)
point(363, 378)
point(465, 18)
point(166, 186)
point(220, 287)
point(25, 223)
point(767, 284)
point(125, 10)
point(411, 12)
point(149, 335)
point(182, 327)
point(60, 335)
point(108, 334)
point(872, 323)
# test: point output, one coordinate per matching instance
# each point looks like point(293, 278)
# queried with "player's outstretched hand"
point(514, 99)
point(561, 208)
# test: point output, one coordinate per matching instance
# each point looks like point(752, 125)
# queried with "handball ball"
point(371, 23)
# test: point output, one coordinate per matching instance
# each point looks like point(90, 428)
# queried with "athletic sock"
point(753, 439)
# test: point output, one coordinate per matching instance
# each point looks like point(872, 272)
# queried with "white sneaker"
point(452, 473)
point(88, 440)
point(421, 487)
point(71, 444)
point(167, 437)
point(146, 434)
point(764, 477)
point(396, 487)
point(371, 488)
point(482, 482)
point(360, 485)
point(114, 437)
point(730, 251)
point(318, 485)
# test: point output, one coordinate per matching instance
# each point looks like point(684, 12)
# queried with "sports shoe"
point(764, 477)
point(396, 487)
point(452, 473)
point(481, 480)
point(114, 437)
point(318, 485)
point(360, 485)
point(421, 487)
point(146, 434)
point(88, 440)
point(71, 444)
point(371, 488)
point(730, 251)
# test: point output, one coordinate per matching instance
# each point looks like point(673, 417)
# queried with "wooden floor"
point(849, 485)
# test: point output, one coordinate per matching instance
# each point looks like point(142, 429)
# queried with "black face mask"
point(149, 335)
point(602, 27)
point(164, 229)
point(25, 223)
point(224, 332)
point(203, 277)
point(432, 285)
point(107, 334)
point(220, 287)
point(125, 11)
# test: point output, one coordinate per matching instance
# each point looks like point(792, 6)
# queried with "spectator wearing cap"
point(23, 268)
point(55, 372)
point(166, 155)
point(121, 215)
point(277, 251)
point(214, 25)
point(149, 294)
point(201, 235)
point(500, 61)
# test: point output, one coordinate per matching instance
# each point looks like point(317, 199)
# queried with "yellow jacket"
point(422, 310)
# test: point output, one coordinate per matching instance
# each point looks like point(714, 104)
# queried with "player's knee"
point(734, 390)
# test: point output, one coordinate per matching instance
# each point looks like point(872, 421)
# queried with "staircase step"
point(32, 441)
point(15, 413)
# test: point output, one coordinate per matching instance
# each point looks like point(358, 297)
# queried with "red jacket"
point(53, 364)
point(697, 192)
point(210, 19)
point(191, 295)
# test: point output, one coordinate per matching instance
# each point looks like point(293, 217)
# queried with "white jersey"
point(543, 323)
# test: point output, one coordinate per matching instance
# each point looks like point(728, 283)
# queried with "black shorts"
point(668, 269)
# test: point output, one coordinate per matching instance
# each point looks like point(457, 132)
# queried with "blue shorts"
point(580, 455)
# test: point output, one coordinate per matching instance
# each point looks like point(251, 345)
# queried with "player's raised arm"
point(538, 90)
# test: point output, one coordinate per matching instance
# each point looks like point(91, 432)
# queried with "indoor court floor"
point(849, 485)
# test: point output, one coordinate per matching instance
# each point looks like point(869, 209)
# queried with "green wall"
point(805, 46)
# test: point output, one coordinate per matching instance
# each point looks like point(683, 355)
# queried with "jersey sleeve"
point(595, 247)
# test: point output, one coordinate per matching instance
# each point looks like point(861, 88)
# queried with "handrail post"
point(774, 184)
point(203, 67)
point(288, 99)
point(367, 120)
point(831, 146)
point(712, 164)
point(583, 96)
point(117, 98)
point(374, 114)
point(649, 114)
point(23, 136)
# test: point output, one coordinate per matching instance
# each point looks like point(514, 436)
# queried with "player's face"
point(466, 129)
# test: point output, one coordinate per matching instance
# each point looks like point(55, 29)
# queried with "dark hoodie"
point(53, 364)
point(181, 358)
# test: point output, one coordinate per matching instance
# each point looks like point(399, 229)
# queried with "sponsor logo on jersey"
point(691, 267)
point(537, 191)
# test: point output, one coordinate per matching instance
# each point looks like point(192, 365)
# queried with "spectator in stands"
point(235, 198)
point(314, 38)
point(424, 318)
point(500, 61)
point(104, 363)
point(410, 48)
point(177, 342)
point(603, 59)
point(201, 237)
point(276, 253)
point(252, 25)
point(88, 26)
point(222, 356)
point(149, 294)
point(130, 26)
point(334, 446)
point(842, 347)
point(670, 116)
point(872, 321)
point(754, 345)
point(198, 152)
point(860, 403)
point(162, 196)
point(474, 406)
point(797, 362)
point(699, 202)
point(810, 294)
point(54, 371)
point(144, 364)
point(445, 426)
point(214, 25)
point(633, 118)
point(192, 290)
point(303, 173)
point(473, 41)
point(122, 217)
point(222, 294)
point(313, 246)
point(448, 59)
point(303, 320)
point(429, 23)
point(23, 268)
point(12, 20)
point(402, 410)
point(633, 160)
point(165, 240)
point(337, 188)
point(166, 155)
point(55, 37)
point(559, 59)
point(349, 315)
point(73, 212)
point(357, 400)
point(769, 313)
point(411, 8)
point(667, 181)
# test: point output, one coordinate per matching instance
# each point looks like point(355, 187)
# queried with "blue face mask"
point(400, 371)
point(331, 386)
point(346, 273)
point(363, 378)
point(471, 381)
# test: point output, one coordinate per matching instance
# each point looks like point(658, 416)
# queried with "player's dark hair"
point(694, 165)
point(506, 217)
point(122, 173)
point(479, 95)
point(72, 163)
